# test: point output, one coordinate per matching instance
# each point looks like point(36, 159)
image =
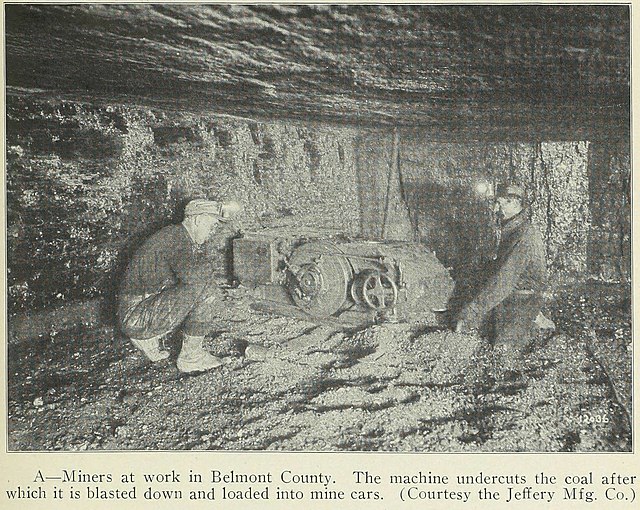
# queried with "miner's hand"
point(460, 327)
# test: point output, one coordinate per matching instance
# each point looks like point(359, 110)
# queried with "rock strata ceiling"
point(479, 72)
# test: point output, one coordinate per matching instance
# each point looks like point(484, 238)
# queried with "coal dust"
point(385, 387)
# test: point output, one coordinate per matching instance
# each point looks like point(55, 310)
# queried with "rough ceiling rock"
point(504, 72)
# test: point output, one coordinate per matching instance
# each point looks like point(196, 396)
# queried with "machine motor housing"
point(327, 274)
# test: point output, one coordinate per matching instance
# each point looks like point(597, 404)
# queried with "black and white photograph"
point(318, 227)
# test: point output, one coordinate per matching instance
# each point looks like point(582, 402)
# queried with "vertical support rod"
point(393, 167)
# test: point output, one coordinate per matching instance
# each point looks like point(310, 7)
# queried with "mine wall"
point(435, 193)
point(86, 184)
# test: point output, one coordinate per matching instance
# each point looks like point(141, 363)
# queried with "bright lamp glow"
point(484, 188)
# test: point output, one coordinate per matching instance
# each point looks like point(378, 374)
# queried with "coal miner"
point(169, 285)
point(508, 302)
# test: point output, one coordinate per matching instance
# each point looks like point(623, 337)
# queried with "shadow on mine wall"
point(457, 227)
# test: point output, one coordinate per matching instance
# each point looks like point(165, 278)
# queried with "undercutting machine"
point(326, 274)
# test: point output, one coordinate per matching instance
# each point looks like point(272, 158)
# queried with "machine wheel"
point(379, 291)
point(319, 277)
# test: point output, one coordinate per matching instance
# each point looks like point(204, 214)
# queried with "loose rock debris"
point(388, 387)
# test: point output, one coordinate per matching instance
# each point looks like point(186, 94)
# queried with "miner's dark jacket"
point(167, 258)
point(507, 304)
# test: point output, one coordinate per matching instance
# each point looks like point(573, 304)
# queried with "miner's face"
point(204, 226)
point(506, 207)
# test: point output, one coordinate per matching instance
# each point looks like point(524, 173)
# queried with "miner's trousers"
point(187, 306)
point(513, 321)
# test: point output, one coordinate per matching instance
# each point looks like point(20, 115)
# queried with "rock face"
point(86, 184)
point(609, 253)
point(118, 114)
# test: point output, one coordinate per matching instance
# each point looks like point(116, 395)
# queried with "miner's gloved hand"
point(461, 327)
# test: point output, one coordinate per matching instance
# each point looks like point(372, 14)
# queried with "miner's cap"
point(223, 211)
point(510, 191)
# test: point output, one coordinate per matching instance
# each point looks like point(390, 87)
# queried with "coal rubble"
point(387, 387)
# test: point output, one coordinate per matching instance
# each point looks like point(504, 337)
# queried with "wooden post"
point(393, 169)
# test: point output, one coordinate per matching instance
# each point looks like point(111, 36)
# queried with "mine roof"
point(504, 72)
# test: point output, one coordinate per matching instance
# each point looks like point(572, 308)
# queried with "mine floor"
point(389, 387)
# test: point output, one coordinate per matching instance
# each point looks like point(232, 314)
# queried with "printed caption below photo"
point(614, 489)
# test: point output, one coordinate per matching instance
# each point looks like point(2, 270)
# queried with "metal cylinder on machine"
point(318, 278)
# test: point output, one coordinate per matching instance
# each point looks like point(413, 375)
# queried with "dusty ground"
point(388, 387)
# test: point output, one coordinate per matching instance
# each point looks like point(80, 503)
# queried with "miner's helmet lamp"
point(229, 209)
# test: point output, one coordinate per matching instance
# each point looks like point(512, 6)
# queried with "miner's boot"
point(151, 348)
point(193, 358)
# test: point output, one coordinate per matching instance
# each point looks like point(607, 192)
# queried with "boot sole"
point(155, 359)
point(187, 370)
point(197, 370)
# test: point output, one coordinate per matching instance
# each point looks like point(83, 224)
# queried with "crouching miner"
point(507, 304)
point(168, 286)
